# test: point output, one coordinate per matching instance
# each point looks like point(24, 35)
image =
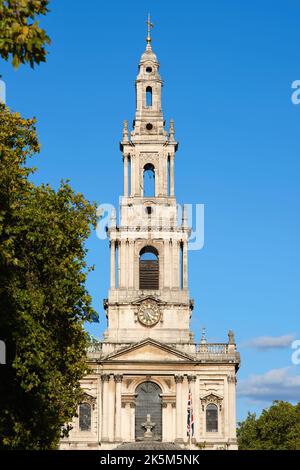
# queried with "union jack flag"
point(190, 416)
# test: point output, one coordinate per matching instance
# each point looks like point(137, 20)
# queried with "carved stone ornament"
point(178, 378)
point(105, 377)
point(118, 378)
point(211, 398)
point(191, 378)
point(90, 399)
point(148, 157)
point(231, 379)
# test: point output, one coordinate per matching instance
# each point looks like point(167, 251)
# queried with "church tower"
point(148, 294)
point(148, 376)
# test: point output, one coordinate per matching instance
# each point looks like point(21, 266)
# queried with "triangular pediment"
point(149, 350)
point(140, 300)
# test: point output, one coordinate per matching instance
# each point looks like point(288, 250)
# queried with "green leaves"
point(277, 428)
point(43, 298)
point(21, 38)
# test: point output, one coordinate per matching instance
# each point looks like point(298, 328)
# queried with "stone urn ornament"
point(148, 425)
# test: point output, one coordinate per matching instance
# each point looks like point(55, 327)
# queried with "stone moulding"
point(211, 398)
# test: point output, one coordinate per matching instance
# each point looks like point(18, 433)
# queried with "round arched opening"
point(149, 180)
point(149, 268)
point(148, 402)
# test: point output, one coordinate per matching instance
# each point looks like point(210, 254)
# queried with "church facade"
point(149, 379)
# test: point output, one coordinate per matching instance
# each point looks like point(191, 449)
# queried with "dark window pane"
point(85, 417)
point(211, 418)
point(148, 401)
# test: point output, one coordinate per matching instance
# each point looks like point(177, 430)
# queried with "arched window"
point(149, 268)
point(148, 96)
point(148, 402)
point(211, 418)
point(85, 417)
point(149, 180)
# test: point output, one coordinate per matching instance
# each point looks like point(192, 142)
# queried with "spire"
point(148, 39)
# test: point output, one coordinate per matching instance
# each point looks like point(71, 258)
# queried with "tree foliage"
point(43, 298)
point(277, 428)
point(21, 37)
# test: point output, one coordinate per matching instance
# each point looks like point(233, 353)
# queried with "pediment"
point(149, 351)
point(140, 300)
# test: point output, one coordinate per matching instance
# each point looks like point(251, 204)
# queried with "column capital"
point(118, 378)
point(231, 379)
point(105, 377)
point(179, 378)
point(191, 378)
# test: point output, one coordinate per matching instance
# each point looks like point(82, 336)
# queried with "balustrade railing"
point(212, 348)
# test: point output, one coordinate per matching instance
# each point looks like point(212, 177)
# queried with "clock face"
point(148, 315)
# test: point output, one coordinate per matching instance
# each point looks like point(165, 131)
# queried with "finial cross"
point(149, 25)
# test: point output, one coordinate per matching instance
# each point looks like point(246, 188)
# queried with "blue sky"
point(227, 68)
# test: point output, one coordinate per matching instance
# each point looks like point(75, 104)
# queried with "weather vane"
point(149, 25)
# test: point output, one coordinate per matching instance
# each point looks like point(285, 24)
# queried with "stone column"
point(232, 405)
point(171, 175)
point(166, 264)
point(184, 265)
point(132, 421)
point(118, 247)
point(118, 409)
point(165, 422)
point(179, 418)
point(99, 408)
point(111, 411)
point(226, 410)
point(125, 159)
point(126, 263)
point(120, 262)
point(131, 265)
point(105, 396)
point(170, 258)
point(173, 433)
point(176, 264)
point(112, 264)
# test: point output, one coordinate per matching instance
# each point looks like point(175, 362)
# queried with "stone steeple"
point(148, 367)
point(148, 294)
